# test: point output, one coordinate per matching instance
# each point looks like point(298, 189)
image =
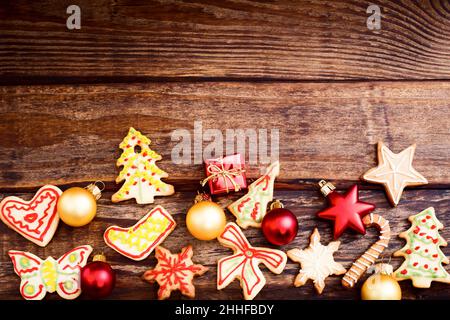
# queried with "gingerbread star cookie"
point(395, 172)
point(138, 241)
point(251, 208)
point(174, 272)
point(423, 257)
point(317, 262)
point(244, 263)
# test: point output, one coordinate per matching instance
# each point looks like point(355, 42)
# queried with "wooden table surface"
point(311, 69)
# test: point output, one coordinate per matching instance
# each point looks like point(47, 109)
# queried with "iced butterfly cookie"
point(139, 240)
point(244, 263)
point(251, 208)
point(37, 219)
point(317, 262)
point(41, 276)
point(174, 272)
point(142, 176)
point(423, 257)
point(395, 172)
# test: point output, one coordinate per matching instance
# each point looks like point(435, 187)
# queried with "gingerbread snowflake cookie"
point(317, 262)
point(142, 176)
point(243, 264)
point(395, 172)
point(423, 257)
point(174, 272)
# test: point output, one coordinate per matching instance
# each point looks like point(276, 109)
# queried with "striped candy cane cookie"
point(371, 255)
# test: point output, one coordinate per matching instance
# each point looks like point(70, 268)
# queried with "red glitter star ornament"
point(174, 272)
point(345, 210)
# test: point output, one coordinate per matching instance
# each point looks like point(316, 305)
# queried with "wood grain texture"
point(312, 40)
point(305, 204)
point(70, 134)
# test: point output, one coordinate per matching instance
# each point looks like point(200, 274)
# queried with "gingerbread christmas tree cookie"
point(395, 172)
point(244, 263)
point(174, 272)
point(142, 176)
point(317, 262)
point(423, 257)
point(251, 208)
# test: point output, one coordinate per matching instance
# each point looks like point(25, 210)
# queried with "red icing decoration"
point(346, 211)
point(31, 218)
point(404, 271)
point(174, 272)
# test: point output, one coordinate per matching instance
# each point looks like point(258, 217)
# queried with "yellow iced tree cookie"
point(142, 176)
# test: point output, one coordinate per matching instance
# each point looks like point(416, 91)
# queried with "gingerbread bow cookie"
point(243, 264)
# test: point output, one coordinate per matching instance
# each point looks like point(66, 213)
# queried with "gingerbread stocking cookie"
point(317, 262)
point(243, 264)
point(138, 241)
point(37, 219)
point(142, 176)
point(41, 276)
point(251, 208)
point(174, 272)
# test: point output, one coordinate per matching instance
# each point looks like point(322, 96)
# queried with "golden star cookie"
point(395, 172)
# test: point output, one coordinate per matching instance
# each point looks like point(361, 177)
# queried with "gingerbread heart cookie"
point(139, 240)
point(36, 219)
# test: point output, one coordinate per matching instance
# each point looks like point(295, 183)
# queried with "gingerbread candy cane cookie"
point(371, 255)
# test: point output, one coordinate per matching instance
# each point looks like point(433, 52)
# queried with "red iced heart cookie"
point(36, 219)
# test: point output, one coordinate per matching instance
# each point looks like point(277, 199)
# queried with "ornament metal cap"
point(277, 204)
point(95, 190)
point(326, 187)
point(99, 257)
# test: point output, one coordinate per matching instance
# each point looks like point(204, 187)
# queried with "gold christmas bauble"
point(206, 220)
point(381, 287)
point(77, 207)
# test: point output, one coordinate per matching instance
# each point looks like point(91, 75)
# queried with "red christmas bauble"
point(279, 226)
point(97, 279)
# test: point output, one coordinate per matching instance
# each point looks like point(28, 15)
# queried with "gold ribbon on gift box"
point(217, 172)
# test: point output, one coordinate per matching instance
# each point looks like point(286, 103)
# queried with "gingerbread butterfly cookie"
point(142, 176)
point(41, 276)
point(251, 208)
point(37, 219)
point(174, 272)
point(139, 240)
point(243, 264)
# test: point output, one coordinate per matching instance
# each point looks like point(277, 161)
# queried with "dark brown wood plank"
point(70, 134)
point(304, 203)
point(284, 39)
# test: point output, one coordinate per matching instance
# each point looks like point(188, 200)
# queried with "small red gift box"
point(225, 174)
